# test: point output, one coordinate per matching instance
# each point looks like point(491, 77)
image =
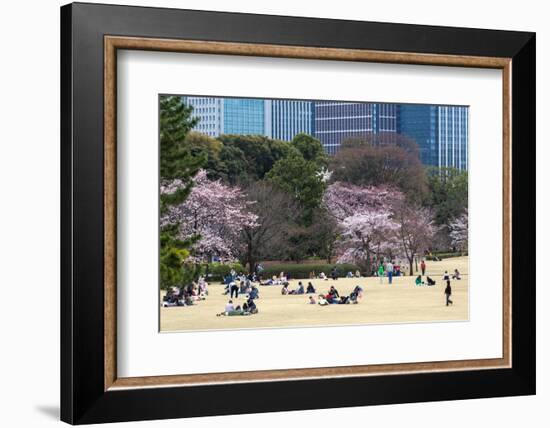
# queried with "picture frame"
point(91, 391)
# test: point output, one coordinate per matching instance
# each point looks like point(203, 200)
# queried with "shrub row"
point(442, 256)
point(217, 271)
point(301, 271)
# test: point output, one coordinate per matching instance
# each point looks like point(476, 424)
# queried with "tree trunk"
point(411, 267)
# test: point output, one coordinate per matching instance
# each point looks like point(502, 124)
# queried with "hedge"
point(217, 271)
point(301, 271)
point(442, 256)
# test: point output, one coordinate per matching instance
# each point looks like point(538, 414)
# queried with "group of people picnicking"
point(235, 284)
point(240, 284)
point(186, 296)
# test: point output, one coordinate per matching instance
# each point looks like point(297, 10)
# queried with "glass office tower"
point(245, 116)
point(441, 133)
point(209, 112)
point(286, 118)
point(336, 121)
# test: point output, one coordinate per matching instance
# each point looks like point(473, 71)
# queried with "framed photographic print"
point(298, 213)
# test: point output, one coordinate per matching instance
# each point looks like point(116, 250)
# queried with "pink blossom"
point(213, 211)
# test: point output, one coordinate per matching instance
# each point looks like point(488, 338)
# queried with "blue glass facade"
point(286, 118)
point(419, 122)
point(453, 137)
point(441, 133)
point(337, 121)
point(243, 116)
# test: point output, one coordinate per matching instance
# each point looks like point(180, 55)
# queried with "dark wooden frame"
point(89, 33)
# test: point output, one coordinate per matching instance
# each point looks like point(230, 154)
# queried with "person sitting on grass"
point(310, 288)
point(430, 281)
point(250, 308)
point(357, 274)
point(418, 280)
point(172, 298)
point(312, 275)
point(285, 290)
point(349, 274)
point(254, 293)
point(311, 301)
point(344, 300)
point(299, 290)
point(456, 275)
point(231, 310)
point(332, 299)
point(321, 300)
point(268, 282)
point(357, 293)
point(323, 276)
point(333, 292)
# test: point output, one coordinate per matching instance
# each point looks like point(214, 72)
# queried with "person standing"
point(381, 272)
point(389, 271)
point(423, 267)
point(448, 293)
point(234, 288)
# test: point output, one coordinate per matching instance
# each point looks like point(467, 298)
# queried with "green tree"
point(448, 193)
point(177, 162)
point(311, 149)
point(302, 179)
point(381, 160)
point(260, 153)
point(234, 165)
point(203, 146)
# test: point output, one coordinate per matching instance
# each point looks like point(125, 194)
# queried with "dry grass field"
point(400, 302)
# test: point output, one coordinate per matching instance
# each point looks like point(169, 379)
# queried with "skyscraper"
point(286, 118)
point(209, 112)
point(336, 121)
point(441, 133)
point(453, 137)
point(244, 116)
point(228, 115)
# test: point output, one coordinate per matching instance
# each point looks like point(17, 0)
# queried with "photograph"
point(292, 213)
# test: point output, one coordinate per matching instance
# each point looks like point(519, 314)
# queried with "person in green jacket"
point(418, 280)
point(381, 272)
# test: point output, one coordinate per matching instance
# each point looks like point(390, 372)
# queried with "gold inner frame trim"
point(113, 43)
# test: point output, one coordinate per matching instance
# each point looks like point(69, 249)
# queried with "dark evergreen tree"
point(177, 162)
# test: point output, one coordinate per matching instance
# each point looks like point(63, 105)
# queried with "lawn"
point(400, 302)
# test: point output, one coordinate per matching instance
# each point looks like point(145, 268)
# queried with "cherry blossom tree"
point(213, 215)
point(458, 231)
point(415, 230)
point(365, 221)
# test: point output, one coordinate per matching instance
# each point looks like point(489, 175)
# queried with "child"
point(322, 301)
point(311, 301)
